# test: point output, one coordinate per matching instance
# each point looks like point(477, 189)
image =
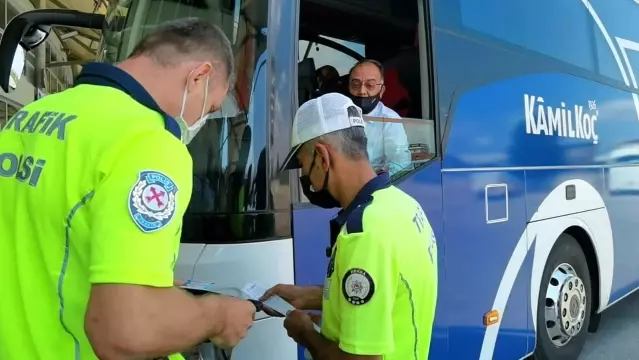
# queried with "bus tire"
point(564, 304)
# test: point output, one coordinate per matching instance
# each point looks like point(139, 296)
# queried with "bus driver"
point(387, 141)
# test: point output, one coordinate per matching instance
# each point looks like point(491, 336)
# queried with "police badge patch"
point(152, 201)
point(358, 286)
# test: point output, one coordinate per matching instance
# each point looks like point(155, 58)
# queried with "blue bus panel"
point(531, 96)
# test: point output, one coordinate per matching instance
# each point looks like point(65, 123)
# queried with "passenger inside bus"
point(339, 34)
point(329, 80)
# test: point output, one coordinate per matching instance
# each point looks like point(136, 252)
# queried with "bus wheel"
point(563, 309)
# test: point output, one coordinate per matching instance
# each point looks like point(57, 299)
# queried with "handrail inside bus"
point(330, 43)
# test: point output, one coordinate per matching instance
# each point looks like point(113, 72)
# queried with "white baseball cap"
point(316, 117)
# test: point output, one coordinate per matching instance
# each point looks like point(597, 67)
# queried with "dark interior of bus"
point(388, 31)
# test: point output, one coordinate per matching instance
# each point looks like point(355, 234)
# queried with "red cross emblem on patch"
point(154, 197)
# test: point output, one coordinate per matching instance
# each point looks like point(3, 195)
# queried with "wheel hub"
point(565, 305)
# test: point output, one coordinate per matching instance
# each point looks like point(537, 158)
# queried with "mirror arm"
point(21, 24)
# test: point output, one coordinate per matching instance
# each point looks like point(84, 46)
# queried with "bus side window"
point(401, 130)
point(231, 200)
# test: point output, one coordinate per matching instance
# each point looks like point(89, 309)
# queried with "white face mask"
point(189, 132)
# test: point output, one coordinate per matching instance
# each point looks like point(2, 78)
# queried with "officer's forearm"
point(129, 321)
point(323, 349)
point(313, 298)
point(320, 347)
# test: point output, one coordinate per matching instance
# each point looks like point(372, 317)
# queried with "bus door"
point(332, 37)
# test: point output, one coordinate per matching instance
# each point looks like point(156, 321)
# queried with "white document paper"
point(255, 291)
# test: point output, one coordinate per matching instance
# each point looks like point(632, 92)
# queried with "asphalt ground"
point(618, 335)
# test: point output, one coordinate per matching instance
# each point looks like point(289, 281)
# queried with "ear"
point(381, 93)
point(198, 76)
point(324, 152)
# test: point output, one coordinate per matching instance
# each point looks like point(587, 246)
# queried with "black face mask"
point(366, 103)
point(321, 198)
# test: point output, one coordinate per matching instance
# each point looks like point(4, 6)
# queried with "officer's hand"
point(234, 315)
point(317, 318)
point(294, 295)
point(298, 323)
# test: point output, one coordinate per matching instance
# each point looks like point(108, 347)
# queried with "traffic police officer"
point(94, 182)
point(380, 291)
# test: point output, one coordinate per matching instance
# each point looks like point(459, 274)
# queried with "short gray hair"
point(193, 38)
point(351, 142)
point(377, 64)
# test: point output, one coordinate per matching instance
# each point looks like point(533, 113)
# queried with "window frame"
point(428, 81)
point(429, 98)
point(4, 118)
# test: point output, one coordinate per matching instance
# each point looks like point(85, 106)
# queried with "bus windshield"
point(229, 152)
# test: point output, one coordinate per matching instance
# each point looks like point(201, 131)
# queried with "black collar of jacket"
point(102, 74)
point(353, 214)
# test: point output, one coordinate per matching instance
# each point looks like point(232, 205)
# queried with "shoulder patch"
point(152, 201)
point(358, 286)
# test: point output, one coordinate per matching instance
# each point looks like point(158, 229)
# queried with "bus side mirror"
point(17, 67)
point(32, 39)
point(29, 30)
point(35, 36)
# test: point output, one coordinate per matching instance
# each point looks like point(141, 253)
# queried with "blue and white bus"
point(522, 119)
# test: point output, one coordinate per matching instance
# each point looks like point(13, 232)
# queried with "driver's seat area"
point(307, 84)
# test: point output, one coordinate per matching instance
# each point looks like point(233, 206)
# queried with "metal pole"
point(66, 63)
point(41, 59)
